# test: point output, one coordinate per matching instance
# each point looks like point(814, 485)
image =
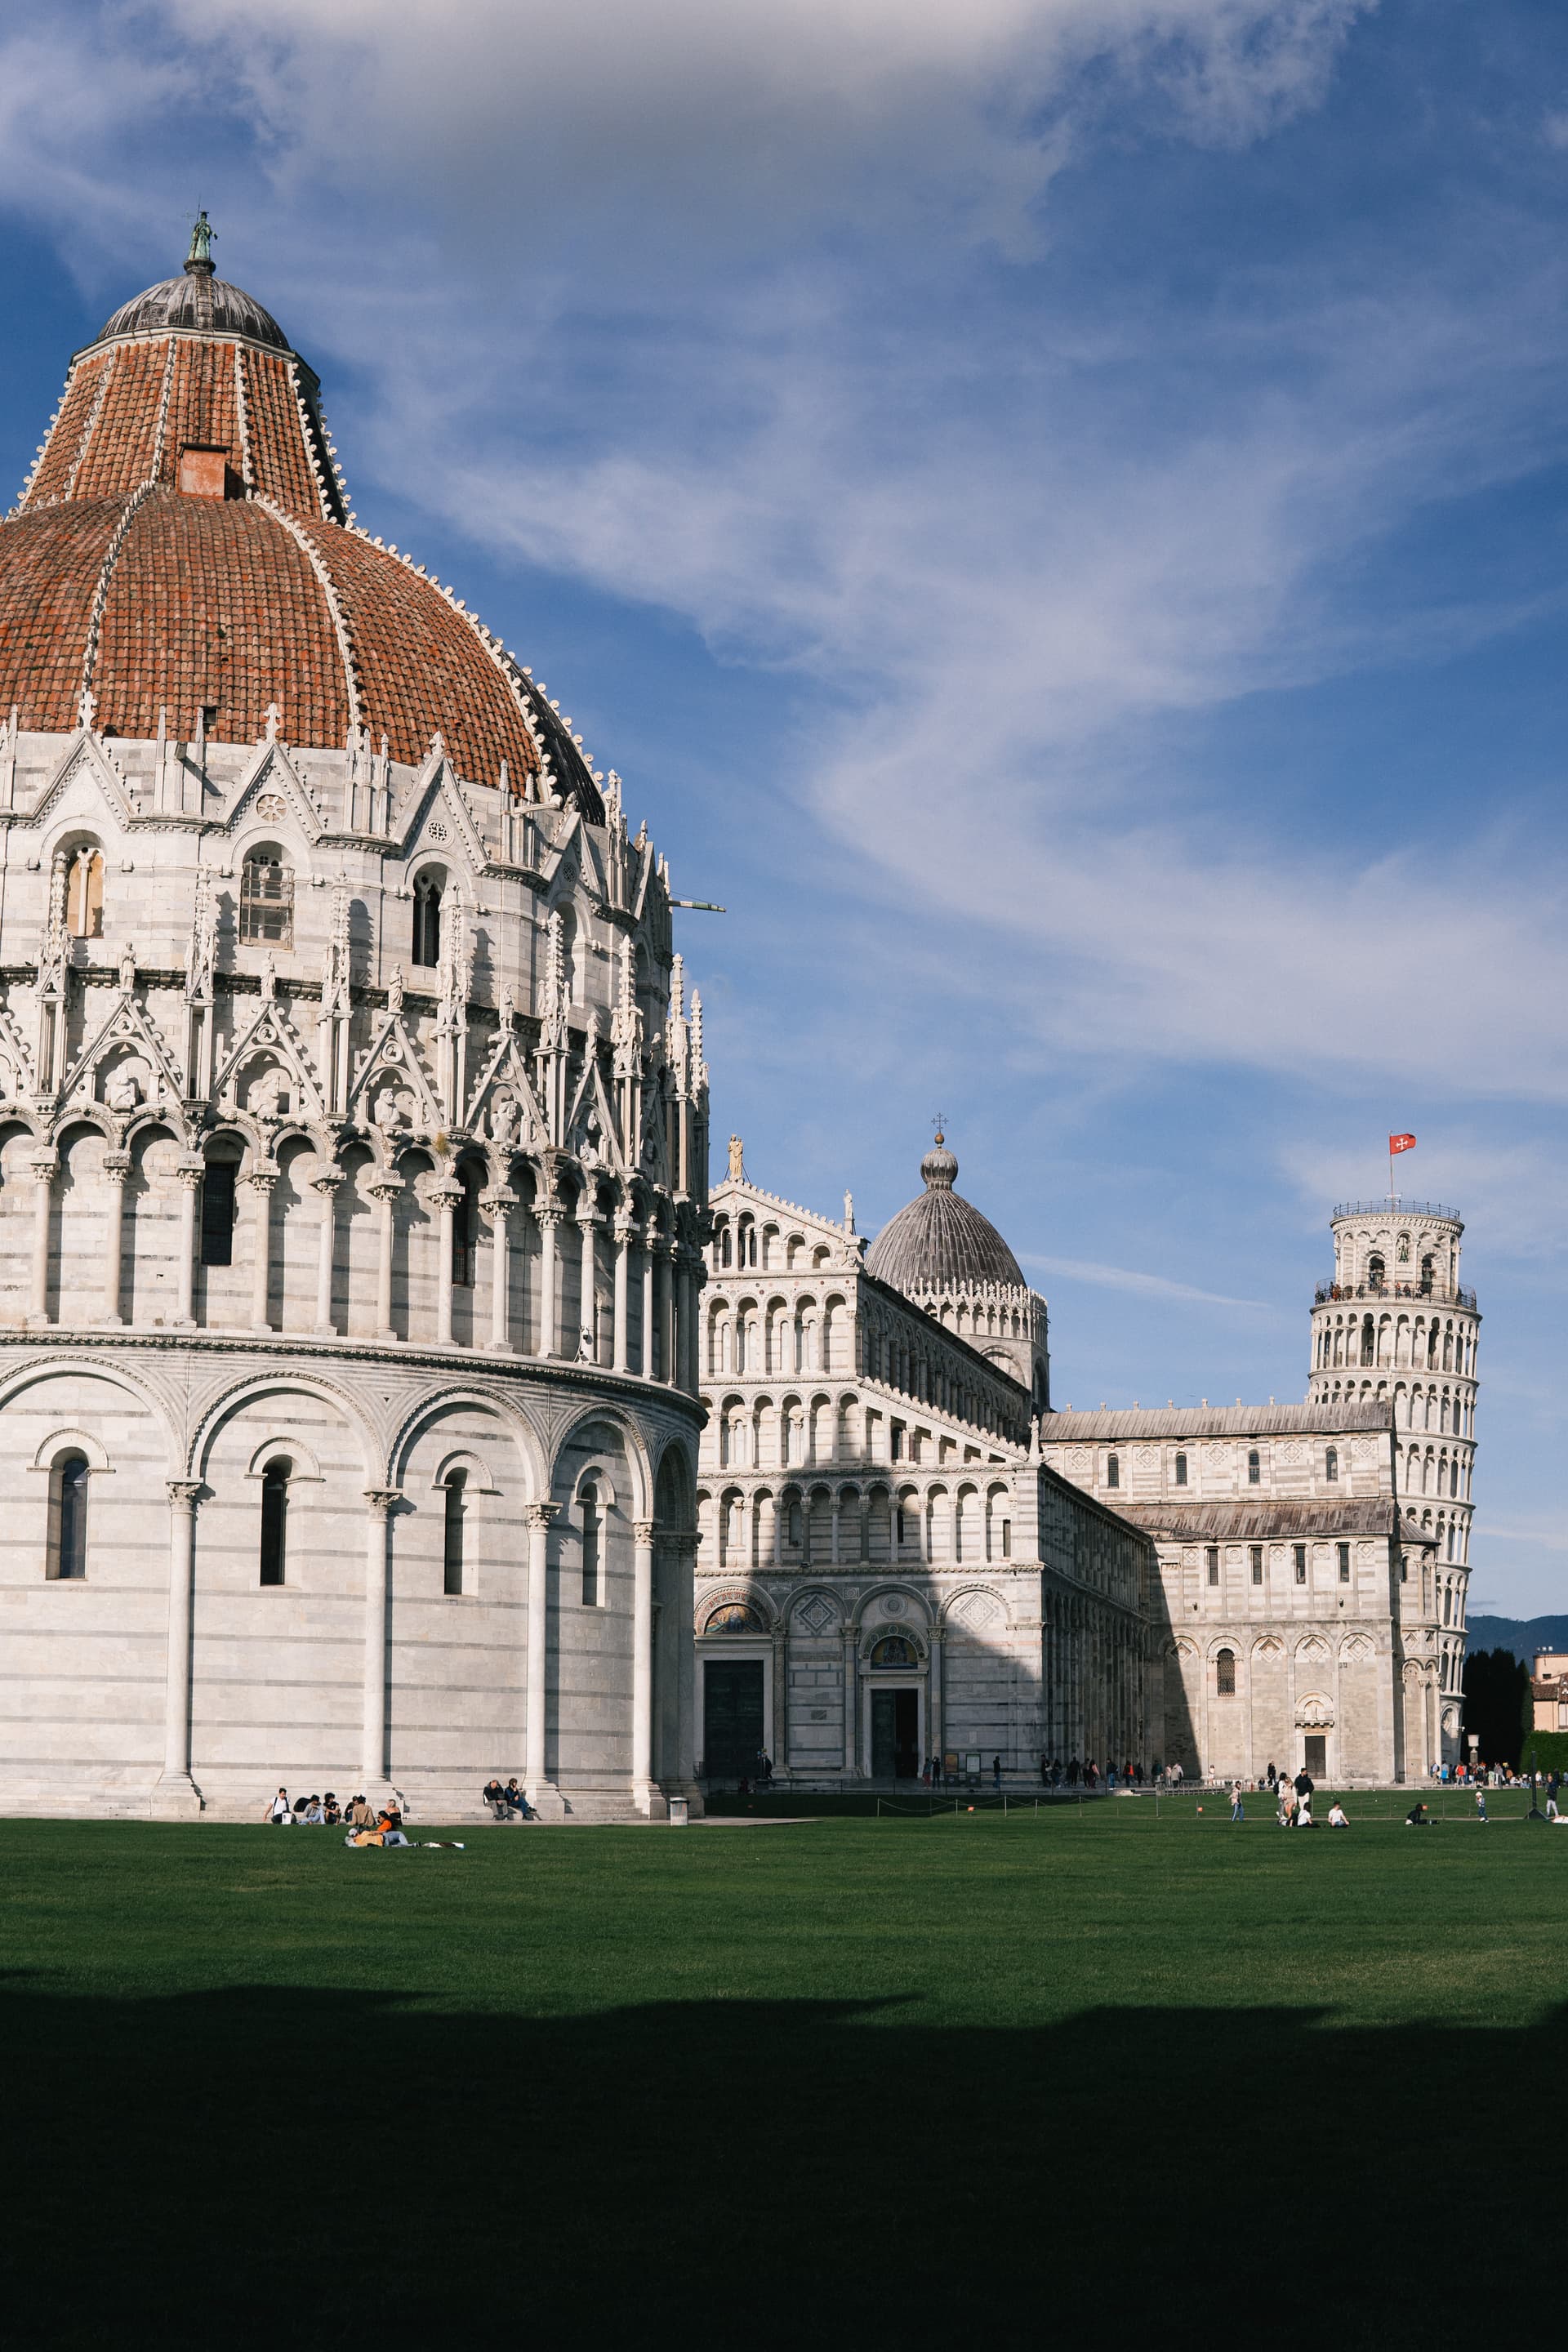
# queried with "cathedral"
point(384, 1401)
point(906, 1551)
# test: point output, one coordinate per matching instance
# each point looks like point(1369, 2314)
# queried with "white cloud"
point(1121, 1277)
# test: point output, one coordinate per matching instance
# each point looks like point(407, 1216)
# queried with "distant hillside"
point(1522, 1635)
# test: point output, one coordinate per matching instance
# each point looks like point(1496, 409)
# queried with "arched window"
point(591, 1534)
point(724, 1247)
point(1181, 1469)
point(1331, 1464)
point(67, 1517)
point(84, 893)
point(1299, 1556)
point(452, 1544)
point(1211, 1556)
point(1224, 1674)
point(1374, 1271)
point(274, 1520)
point(1256, 1551)
point(1112, 1470)
point(1254, 1467)
point(1344, 1553)
point(1426, 1275)
point(427, 920)
point(1368, 1340)
point(217, 1212)
point(796, 1526)
point(266, 899)
point(465, 1227)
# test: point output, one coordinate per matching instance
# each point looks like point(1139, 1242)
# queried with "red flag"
point(1400, 1143)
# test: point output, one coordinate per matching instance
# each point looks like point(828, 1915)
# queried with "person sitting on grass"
point(332, 1812)
point(279, 1813)
point(1338, 1818)
point(1304, 1816)
point(360, 1816)
point(1416, 1819)
point(312, 1818)
point(389, 1822)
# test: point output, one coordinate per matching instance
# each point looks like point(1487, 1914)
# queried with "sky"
point(1057, 511)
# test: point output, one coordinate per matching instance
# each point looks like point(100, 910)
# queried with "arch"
point(266, 911)
point(476, 1472)
point(291, 1382)
point(639, 1504)
point(306, 1461)
point(918, 1607)
point(276, 1480)
point(108, 1370)
point(81, 854)
point(429, 888)
point(69, 1440)
point(502, 1409)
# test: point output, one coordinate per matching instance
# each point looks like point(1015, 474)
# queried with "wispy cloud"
point(1153, 1285)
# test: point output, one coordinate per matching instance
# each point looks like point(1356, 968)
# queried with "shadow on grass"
point(313, 2169)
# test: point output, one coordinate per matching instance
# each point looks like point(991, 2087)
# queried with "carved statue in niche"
point(127, 1085)
point(504, 1118)
point(392, 1107)
point(270, 1094)
point(127, 970)
point(394, 990)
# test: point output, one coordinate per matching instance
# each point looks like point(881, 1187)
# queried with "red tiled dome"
point(184, 544)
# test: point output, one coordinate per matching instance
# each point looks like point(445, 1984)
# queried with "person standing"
point(996, 1774)
point(1238, 1809)
point(1481, 1805)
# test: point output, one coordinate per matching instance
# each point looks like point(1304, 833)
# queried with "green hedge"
point(1551, 1750)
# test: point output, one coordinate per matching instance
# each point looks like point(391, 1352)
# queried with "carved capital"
point(447, 1195)
point(327, 1183)
point(263, 1174)
point(386, 1188)
point(499, 1203)
point(183, 1494)
point(190, 1172)
point(381, 1501)
point(117, 1166)
point(45, 1167)
point(644, 1530)
point(537, 1515)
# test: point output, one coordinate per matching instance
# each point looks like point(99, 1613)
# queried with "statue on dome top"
point(199, 260)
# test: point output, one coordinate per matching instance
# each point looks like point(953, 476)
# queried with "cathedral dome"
point(941, 1241)
point(184, 551)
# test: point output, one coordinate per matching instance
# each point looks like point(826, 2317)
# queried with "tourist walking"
point(996, 1774)
point(1238, 1809)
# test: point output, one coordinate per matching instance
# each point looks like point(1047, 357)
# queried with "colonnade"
point(752, 1527)
point(662, 1272)
point(176, 1789)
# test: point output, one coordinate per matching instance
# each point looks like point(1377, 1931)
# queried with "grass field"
point(1080, 2075)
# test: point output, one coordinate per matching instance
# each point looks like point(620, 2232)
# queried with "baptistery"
point(352, 1144)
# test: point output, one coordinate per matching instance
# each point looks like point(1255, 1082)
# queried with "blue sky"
point(1058, 511)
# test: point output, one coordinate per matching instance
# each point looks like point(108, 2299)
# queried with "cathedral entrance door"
point(731, 1717)
point(895, 1735)
point(1316, 1747)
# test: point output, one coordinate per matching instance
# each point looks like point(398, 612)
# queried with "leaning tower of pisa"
point(1393, 1322)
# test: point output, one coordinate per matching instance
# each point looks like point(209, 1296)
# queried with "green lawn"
point(1084, 2075)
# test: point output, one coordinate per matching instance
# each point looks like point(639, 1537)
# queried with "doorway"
point(732, 1718)
point(895, 1735)
point(1317, 1748)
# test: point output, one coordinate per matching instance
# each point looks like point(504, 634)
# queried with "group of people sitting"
point(508, 1804)
point(365, 1824)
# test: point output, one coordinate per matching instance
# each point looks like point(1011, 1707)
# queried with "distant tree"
point(1497, 1704)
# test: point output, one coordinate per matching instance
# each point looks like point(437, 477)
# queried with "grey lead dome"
point(202, 305)
point(940, 1240)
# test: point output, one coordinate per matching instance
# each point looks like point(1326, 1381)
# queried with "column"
point(446, 1197)
point(780, 1695)
point(261, 1180)
point(933, 1693)
point(116, 1168)
point(538, 1787)
point(43, 1171)
point(649, 1296)
point(645, 1793)
point(659, 1349)
point(851, 1665)
point(683, 1611)
point(667, 1327)
point(548, 1221)
point(190, 1173)
point(386, 1189)
point(176, 1793)
point(588, 1307)
point(500, 1203)
point(623, 1259)
point(381, 1502)
point(325, 1187)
